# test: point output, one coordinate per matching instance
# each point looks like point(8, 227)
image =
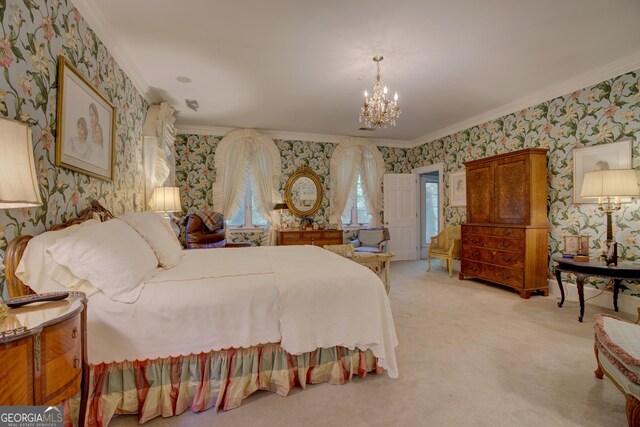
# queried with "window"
point(247, 216)
point(358, 214)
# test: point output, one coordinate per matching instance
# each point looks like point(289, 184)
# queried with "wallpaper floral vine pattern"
point(604, 113)
point(34, 33)
point(195, 173)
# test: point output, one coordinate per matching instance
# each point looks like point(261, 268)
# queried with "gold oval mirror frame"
point(303, 192)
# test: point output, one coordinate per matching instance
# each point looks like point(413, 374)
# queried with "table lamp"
point(609, 187)
point(166, 200)
point(18, 180)
point(280, 207)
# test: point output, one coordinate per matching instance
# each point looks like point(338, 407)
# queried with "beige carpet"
point(470, 354)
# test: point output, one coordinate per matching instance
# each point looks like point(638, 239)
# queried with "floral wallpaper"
point(195, 172)
point(604, 113)
point(34, 33)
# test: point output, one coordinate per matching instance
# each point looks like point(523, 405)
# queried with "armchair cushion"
point(371, 240)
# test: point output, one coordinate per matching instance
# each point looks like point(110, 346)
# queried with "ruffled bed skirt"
point(220, 379)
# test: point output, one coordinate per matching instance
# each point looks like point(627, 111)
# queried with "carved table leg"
point(559, 279)
point(616, 289)
point(580, 284)
point(599, 373)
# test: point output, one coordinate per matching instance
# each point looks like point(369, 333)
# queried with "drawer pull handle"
point(74, 332)
point(76, 362)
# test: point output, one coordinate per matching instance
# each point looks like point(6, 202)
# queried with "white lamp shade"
point(18, 180)
point(166, 199)
point(610, 183)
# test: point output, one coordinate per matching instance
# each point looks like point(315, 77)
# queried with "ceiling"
point(302, 66)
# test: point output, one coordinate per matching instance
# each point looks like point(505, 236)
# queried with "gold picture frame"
point(303, 192)
point(86, 125)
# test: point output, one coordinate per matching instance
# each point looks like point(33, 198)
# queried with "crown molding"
point(288, 136)
point(109, 38)
point(590, 78)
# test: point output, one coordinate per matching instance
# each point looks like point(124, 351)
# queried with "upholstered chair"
point(446, 246)
point(372, 240)
point(617, 345)
point(198, 236)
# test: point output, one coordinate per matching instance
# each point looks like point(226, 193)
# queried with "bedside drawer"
point(61, 360)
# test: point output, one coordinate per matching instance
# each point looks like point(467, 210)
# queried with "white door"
point(401, 214)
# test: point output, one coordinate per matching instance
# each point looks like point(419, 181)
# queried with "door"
point(429, 209)
point(480, 193)
point(401, 215)
point(511, 189)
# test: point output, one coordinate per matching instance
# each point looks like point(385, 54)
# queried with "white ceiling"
point(302, 66)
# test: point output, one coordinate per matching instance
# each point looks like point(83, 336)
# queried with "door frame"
point(436, 167)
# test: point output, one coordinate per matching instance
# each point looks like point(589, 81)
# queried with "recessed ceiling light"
point(183, 79)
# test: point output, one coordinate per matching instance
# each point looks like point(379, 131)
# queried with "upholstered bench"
point(617, 348)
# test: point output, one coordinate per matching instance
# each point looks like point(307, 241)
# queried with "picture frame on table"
point(576, 245)
point(86, 125)
point(616, 155)
point(458, 188)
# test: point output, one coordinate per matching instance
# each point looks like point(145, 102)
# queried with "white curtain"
point(342, 177)
point(234, 180)
point(245, 155)
point(156, 168)
point(350, 157)
point(371, 177)
point(263, 188)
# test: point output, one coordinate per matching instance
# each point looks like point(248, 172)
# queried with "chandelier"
point(377, 110)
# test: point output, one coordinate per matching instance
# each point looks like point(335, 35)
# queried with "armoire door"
point(480, 193)
point(511, 190)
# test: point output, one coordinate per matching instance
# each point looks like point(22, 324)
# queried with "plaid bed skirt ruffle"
point(220, 379)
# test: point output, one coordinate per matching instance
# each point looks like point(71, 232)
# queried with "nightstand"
point(43, 352)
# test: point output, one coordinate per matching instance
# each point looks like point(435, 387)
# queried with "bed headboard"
point(16, 248)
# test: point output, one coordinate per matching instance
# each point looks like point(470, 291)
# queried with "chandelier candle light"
point(377, 110)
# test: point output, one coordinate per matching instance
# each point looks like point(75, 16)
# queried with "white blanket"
point(300, 296)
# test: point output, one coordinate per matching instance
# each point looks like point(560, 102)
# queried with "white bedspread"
point(301, 296)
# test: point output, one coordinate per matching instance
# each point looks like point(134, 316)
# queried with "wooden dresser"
point(43, 352)
point(310, 237)
point(505, 238)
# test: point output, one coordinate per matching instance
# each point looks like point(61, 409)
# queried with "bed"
point(215, 327)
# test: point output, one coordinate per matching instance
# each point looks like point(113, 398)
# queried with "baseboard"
point(626, 303)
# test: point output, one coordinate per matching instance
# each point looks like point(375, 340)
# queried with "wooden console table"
point(582, 270)
point(310, 237)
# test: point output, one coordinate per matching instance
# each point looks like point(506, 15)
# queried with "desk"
point(374, 261)
point(582, 270)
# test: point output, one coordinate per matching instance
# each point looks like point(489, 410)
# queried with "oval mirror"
point(303, 192)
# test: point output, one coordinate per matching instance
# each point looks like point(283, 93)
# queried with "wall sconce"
point(609, 187)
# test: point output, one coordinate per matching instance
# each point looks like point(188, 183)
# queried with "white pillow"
point(36, 266)
point(157, 232)
point(111, 256)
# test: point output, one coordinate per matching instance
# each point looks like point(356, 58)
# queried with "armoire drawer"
point(500, 243)
point(492, 256)
point(494, 273)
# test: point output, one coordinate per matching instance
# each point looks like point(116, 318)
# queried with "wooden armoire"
point(505, 238)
